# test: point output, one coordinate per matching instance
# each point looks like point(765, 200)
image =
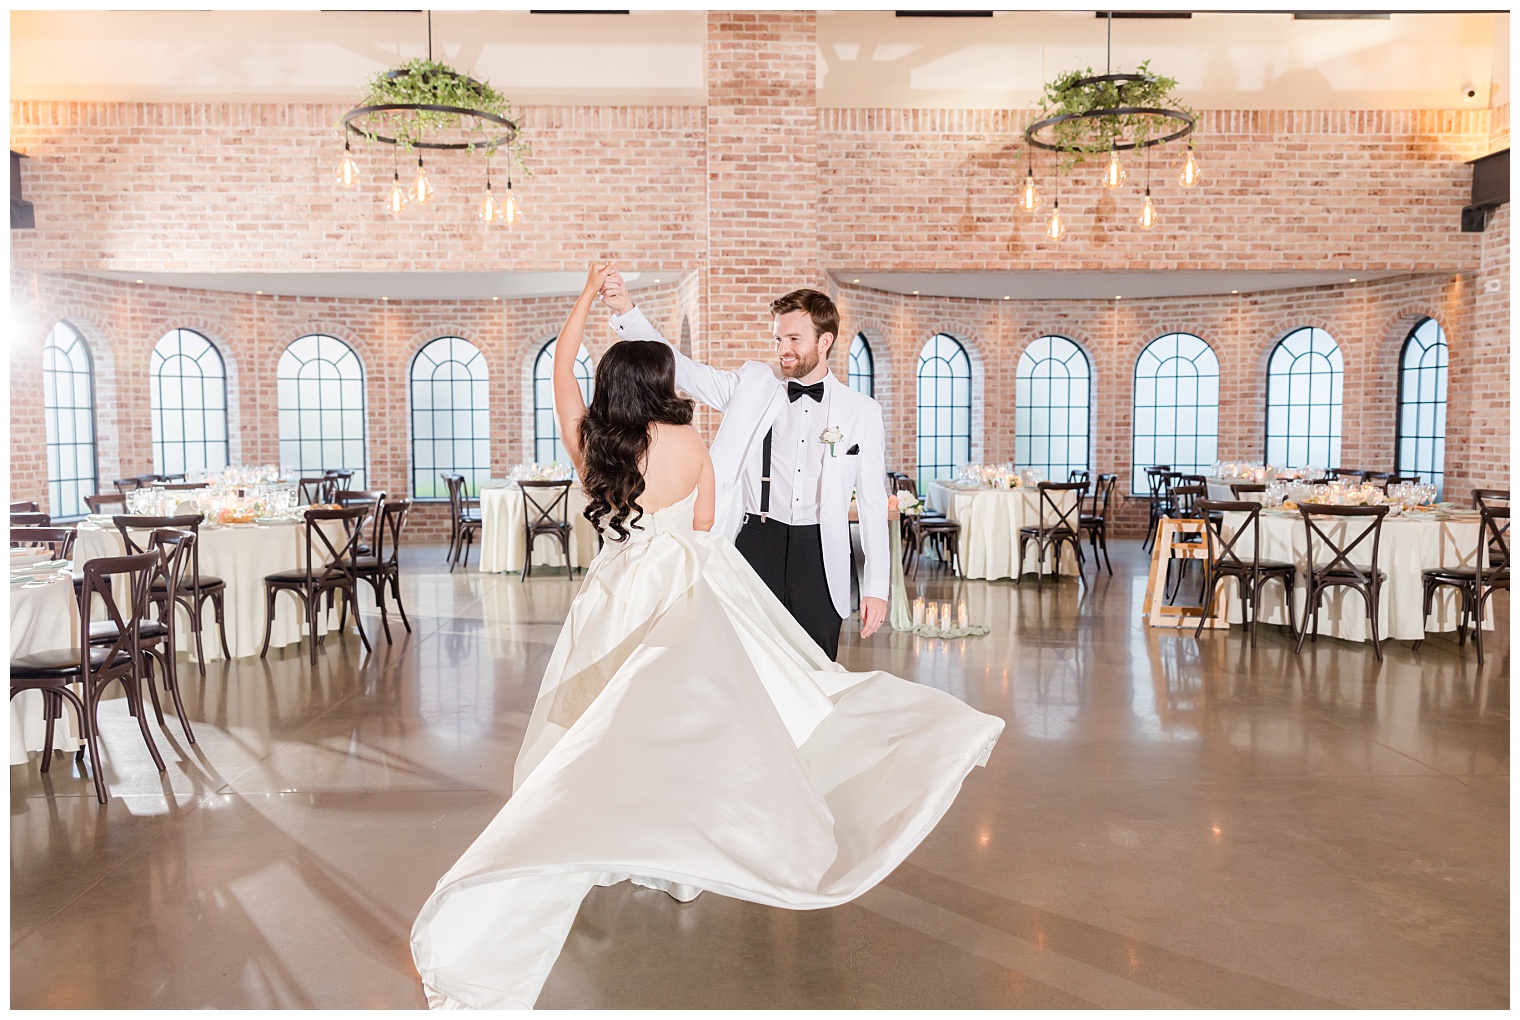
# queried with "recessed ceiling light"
point(854, 281)
point(139, 281)
point(258, 292)
point(1234, 292)
point(657, 281)
point(1116, 297)
point(913, 292)
point(495, 298)
point(1353, 279)
point(384, 297)
point(1007, 297)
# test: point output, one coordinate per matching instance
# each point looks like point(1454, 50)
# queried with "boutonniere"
point(831, 435)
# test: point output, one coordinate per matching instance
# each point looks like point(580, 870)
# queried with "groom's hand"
point(873, 613)
point(615, 293)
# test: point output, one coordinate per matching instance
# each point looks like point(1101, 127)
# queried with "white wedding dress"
point(690, 736)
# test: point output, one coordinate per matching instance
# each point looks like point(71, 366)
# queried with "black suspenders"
point(765, 475)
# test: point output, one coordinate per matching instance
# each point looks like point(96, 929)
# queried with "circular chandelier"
point(1088, 114)
point(429, 105)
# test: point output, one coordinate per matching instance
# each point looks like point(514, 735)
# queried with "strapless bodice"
point(673, 519)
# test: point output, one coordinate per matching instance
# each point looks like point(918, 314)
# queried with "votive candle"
point(962, 615)
point(918, 612)
point(931, 616)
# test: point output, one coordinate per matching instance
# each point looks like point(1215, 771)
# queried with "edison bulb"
point(1056, 229)
point(1190, 175)
point(347, 173)
point(1115, 174)
point(511, 208)
point(421, 190)
point(1147, 212)
point(1030, 199)
point(396, 200)
point(490, 209)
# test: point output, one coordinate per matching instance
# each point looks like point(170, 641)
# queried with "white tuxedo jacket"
point(750, 398)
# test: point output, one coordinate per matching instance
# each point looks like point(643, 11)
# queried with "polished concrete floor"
point(1166, 822)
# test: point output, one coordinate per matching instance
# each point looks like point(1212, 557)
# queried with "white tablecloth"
point(990, 520)
point(1409, 545)
point(44, 617)
point(501, 532)
point(241, 555)
point(1219, 489)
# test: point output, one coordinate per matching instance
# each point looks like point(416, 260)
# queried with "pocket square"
point(853, 451)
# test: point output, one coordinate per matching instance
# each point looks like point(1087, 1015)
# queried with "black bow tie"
point(796, 389)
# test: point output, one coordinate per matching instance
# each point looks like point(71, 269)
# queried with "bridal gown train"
point(690, 736)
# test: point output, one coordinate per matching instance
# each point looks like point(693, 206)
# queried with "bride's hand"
point(597, 275)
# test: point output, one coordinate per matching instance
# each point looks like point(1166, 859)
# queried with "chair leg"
point(396, 591)
point(147, 666)
point(193, 608)
point(352, 594)
point(312, 606)
point(134, 693)
point(1103, 539)
point(377, 584)
point(89, 719)
point(1372, 618)
point(171, 683)
point(269, 594)
point(1478, 624)
point(219, 603)
point(52, 707)
point(1310, 610)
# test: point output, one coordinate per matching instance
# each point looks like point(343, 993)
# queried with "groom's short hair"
point(819, 306)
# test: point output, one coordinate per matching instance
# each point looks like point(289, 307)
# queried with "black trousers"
point(790, 561)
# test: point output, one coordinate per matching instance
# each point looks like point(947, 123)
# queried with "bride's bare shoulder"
point(681, 438)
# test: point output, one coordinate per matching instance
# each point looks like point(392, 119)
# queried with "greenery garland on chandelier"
point(1085, 114)
point(426, 104)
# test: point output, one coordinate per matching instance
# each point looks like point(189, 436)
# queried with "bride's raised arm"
point(569, 402)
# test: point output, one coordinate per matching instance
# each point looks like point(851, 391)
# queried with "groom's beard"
point(804, 364)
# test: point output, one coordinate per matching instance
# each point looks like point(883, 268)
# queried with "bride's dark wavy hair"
point(635, 388)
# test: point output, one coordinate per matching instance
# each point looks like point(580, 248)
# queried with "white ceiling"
point(1089, 286)
point(407, 286)
point(1232, 60)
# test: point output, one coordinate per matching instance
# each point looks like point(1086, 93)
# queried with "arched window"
point(862, 366)
point(1176, 417)
point(320, 385)
point(1422, 405)
point(68, 407)
point(451, 421)
point(944, 408)
point(188, 401)
point(1304, 400)
point(547, 447)
point(1052, 394)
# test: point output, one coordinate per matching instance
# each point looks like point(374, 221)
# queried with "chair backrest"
point(30, 520)
point(97, 585)
point(134, 527)
point(126, 485)
point(1077, 475)
point(1102, 494)
point(173, 478)
point(176, 548)
point(1378, 478)
point(1242, 489)
point(1157, 477)
point(1401, 480)
point(342, 556)
point(1350, 474)
point(1489, 497)
point(387, 542)
point(181, 486)
point(904, 483)
point(1225, 552)
point(1055, 512)
point(1339, 550)
point(1494, 534)
point(455, 484)
point(98, 502)
point(374, 499)
point(546, 505)
point(341, 473)
point(25, 507)
point(316, 490)
point(59, 541)
point(1185, 499)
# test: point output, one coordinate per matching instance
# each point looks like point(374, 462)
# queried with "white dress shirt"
point(796, 462)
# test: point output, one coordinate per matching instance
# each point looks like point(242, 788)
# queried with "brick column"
point(762, 179)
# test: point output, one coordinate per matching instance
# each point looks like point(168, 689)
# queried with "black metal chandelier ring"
point(1115, 111)
point(489, 143)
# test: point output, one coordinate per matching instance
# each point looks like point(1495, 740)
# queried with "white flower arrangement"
point(908, 503)
point(831, 435)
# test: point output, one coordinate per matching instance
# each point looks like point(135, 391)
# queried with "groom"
point(795, 443)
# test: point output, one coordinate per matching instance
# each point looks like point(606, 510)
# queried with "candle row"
point(936, 615)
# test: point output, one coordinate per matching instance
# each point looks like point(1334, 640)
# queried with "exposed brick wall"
point(122, 322)
point(740, 200)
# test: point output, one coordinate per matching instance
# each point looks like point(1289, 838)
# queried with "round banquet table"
point(990, 520)
point(1410, 544)
point(501, 532)
point(44, 617)
point(241, 555)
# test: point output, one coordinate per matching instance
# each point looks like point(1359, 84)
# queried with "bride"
point(689, 735)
